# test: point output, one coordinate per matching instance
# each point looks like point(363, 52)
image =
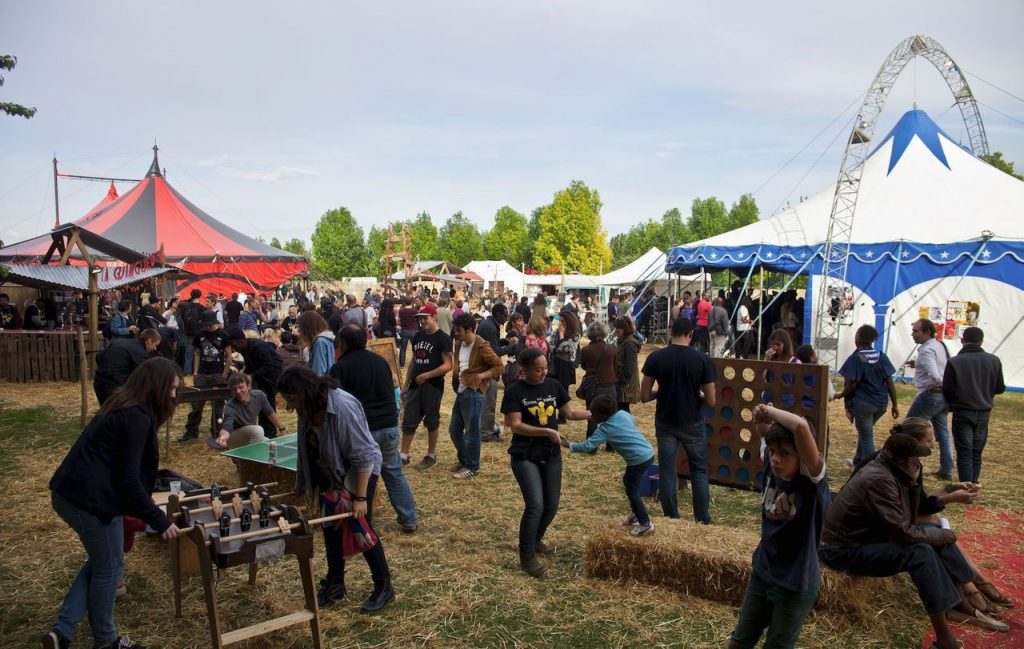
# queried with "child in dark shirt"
point(784, 581)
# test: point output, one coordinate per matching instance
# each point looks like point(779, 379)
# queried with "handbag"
point(587, 389)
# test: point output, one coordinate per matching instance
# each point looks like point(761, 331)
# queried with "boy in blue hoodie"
point(618, 428)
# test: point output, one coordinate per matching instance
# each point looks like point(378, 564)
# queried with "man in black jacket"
point(969, 382)
point(116, 363)
point(150, 316)
point(490, 330)
point(263, 363)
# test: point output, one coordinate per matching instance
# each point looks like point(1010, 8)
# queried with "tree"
point(296, 247)
point(673, 230)
point(459, 241)
point(338, 249)
point(276, 243)
point(8, 62)
point(261, 239)
point(570, 235)
point(508, 238)
point(630, 245)
point(997, 161)
point(376, 242)
point(743, 212)
point(532, 232)
point(423, 236)
point(707, 218)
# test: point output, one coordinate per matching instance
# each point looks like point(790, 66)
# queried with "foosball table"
point(225, 528)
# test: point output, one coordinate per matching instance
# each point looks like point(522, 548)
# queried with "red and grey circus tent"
point(153, 215)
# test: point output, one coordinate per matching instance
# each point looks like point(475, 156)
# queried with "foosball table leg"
point(210, 590)
point(176, 574)
point(252, 573)
point(306, 573)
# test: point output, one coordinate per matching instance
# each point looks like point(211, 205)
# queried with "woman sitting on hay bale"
point(871, 530)
point(785, 578)
point(529, 406)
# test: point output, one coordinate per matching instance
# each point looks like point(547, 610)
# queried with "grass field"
point(457, 578)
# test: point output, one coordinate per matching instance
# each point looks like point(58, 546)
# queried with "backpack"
point(192, 319)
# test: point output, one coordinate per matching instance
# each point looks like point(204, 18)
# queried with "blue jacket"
point(621, 432)
point(119, 324)
point(321, 353)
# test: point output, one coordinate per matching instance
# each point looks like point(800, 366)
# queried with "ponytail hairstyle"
point(916, 428)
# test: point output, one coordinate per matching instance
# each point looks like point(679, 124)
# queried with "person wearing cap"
point(210, 368)
point(424, 384)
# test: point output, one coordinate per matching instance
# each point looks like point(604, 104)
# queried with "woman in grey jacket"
point(338, 460)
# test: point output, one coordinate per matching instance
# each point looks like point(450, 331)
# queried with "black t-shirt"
point(232, 310)
point(211, 346)
point(680, 371)
point(427, 355)
point(538, 405)
point(366, 376)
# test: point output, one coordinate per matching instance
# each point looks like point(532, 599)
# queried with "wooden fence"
point(38, 356)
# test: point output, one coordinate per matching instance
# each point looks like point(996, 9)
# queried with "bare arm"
point(803, 438)
point(569, 413)
point(515, 422)
point(647, 391)
point(709, 394)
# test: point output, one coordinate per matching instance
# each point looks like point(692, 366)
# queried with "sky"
point(269, 114)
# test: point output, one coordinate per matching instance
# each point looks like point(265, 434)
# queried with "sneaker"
point(124, 642)
point(405, 460)
point(850, 463)
point(531, 566)
point(465, 473)
point(188, 437)
point(630, 520)
point(455, 468)
point(427, 462)
point(410, 529)
point(642, 530)
point(54, 640)
point(543, 548)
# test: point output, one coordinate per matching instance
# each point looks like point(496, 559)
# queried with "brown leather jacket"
point(878, 505)
point(481, 359)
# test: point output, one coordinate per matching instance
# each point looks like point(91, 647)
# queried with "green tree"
point(261, 239)
point(276, 243)
point(707, 218)
point(8, 62)
point(459, 241)
point(742, 212)
point(570, 236)
point(423, 237)
point(673, 230)
point(296, 247)
point(376, 242)
point(630, 245)
point(997, 161)
point(532, 232)
point(508, 238)
point(338, 249)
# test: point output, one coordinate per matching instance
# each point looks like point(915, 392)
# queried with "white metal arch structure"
point(844, 205)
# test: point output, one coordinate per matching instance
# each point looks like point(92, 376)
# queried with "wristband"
point(359, 499)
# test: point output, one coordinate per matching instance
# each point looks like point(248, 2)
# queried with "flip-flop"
point(994, 595)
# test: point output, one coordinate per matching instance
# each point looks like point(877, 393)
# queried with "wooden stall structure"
point(40, 356)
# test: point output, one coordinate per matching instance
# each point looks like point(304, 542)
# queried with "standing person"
point(784, 581)
point(233, 310)
point(367, 377)
point(529, 406)
point(151, 316)
point(262, 363)
point(355, 314)
point(121, 326)
point(618, 429)
point(387, 323)
point(409, 327)
point(339, 461)
point(245, 413)
point(490, 331)
point(598, 361)
point(702, 311)
point(248, 319)
point(523, 308)
point(536, 335)
point(170, 314)
point(117, 362)
point(718, 327)
point(479, 369)
point(211, 365)
point(290, 321)
point(109, 473)
point(9, 316)
point(627, 364)
point(191, 318)
point(563, 351)
point(969, 382)
point(929, 403)
point(686, 382)
point(867, 375)
point(315, 336)
point(780, 347)
point(424, 384)
point(445, 319)
point(744, 345)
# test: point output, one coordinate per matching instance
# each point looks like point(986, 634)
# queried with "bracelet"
point(359, 499)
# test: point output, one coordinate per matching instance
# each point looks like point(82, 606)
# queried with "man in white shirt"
point(744, 336)
point(929, 402)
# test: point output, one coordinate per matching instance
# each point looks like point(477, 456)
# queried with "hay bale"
point(712, 562)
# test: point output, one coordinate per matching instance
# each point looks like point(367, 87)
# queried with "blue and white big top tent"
point(937, 232)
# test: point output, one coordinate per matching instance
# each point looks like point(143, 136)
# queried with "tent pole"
point(56, 197)
point(760, 315)
point(895, 285)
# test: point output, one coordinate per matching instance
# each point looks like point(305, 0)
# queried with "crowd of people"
point(355, 428)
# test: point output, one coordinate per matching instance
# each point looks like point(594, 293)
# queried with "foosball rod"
point(226, 492)
point(212, 524)
point(199, 510)
point(272, 530)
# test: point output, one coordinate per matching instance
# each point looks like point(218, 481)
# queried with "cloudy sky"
point(269, 114)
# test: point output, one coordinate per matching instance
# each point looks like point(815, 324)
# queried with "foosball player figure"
point(338, 460)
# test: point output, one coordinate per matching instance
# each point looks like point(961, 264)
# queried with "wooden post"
point(82, 378)
point(94, 320)
point(760, 316)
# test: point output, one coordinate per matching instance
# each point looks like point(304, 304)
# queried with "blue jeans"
point(190, 353)
point(93, 590)
point(399, 492)
point(464, 427)
point(970, 432)
point(932, 406)
point(694, 439)
point(541, 484)
point(405, 337)
point(781, 610)
point(631, 480)
point(865, 416)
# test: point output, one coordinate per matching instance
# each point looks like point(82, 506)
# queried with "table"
point(188, 394)
point(287, 452)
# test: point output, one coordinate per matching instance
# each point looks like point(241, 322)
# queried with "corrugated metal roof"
point(75, 277)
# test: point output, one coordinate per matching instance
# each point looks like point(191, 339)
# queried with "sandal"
point(978, 619)
point(993, 594)
point(975, 599)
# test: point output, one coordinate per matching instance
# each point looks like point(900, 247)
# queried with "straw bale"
point(712, 562)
